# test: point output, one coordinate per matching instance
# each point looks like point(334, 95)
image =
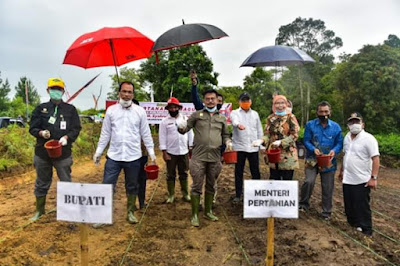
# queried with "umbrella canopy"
point(277, 55)
point(108, 47)
point(187, 34)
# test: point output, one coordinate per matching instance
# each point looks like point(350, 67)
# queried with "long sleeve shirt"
point(66, 123)
point(170, 139)
point(124, 128)
point(210, 131)
point(198, 104)
point(323, 139)
point(242, 139)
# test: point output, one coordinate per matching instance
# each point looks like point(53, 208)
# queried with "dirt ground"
point(164, 235)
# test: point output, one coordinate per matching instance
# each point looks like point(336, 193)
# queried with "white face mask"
point(355, 128)
point(124, 103)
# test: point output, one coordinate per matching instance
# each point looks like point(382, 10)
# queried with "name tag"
point(52, 120)
point(63, 125)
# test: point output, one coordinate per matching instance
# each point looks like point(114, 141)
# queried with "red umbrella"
point(108, 47)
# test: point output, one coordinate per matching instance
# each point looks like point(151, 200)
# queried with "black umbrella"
point(187, 34)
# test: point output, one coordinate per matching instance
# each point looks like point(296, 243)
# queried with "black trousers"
point(356, 206)
point(142, 181)
point(239, 168)
point(281, 174)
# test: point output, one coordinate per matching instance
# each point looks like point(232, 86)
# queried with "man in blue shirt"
point(321, 136)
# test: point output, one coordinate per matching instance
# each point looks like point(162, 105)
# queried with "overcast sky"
point(35, 34)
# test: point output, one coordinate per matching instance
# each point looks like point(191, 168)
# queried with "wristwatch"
point(374, 177)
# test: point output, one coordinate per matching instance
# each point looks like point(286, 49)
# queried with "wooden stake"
point(84, 244)
point(269, 260)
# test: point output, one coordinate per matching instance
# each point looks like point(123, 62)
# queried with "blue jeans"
point(131, 169)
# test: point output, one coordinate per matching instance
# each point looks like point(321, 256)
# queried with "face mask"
point(173, 113)
point(211, 110)
point(124, 103)
point(323, 118)
point(280, 112)
point(219, 106)
point(56, 94)
point(245, 105)
point(355, 128)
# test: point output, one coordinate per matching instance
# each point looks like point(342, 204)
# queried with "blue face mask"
point(280, 112)
point(55, 94)
point(211, 110)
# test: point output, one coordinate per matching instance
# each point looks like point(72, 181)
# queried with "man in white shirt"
point(124, 126)
point(175, 148)
point(246, 130)
point(359, 173)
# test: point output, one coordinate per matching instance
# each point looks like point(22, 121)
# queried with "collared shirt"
point(66, 123)
point(210, 131)
point(124, 128)
point(324, 139)
point(242, 139)
point(357, 161)
point(170, 139)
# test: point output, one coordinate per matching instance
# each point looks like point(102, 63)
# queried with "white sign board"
point(84, 203)
point(270, 198)
point(156, 111)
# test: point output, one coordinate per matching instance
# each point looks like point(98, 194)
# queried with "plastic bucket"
point(151, 171)
point(323, 160)
point(274, 155)
point(230, 157)
point(54, 148)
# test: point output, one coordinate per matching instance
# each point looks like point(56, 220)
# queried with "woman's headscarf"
point(277, 98)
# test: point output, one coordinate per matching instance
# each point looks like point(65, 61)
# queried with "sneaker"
point(302, 209)
point(236, 200)
point(326, 218)
point(359, 229)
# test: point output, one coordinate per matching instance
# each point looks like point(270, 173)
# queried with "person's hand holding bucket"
point(153, 158)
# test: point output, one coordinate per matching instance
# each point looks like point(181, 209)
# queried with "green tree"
point(393, 41)
point(4, 91)
point(231, 95)
point(172, 72)
point(314, 38)
point(33, 96)
point(261, 87)
point(128, 74)
point(18, 107)
point(370, 84)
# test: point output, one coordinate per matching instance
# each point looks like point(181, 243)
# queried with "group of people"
point(197, 143)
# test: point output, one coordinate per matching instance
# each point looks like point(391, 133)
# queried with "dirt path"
point(165, 237)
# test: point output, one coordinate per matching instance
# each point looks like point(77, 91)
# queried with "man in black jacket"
point(56, 120)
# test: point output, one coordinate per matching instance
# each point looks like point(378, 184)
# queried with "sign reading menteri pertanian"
point(270, 198)
point(84, 203)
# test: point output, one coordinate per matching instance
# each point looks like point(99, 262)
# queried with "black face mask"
point(173, 113)
point(323, 118)
point(219, 106)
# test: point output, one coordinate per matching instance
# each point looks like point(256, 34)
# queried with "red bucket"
point(54, 148)
point(324, 160)
point(151, 171)
point(274, 155)
point(230, 157)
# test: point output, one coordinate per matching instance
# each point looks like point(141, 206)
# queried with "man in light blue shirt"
point(321, 136)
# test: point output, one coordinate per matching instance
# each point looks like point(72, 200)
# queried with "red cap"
point(174, 101)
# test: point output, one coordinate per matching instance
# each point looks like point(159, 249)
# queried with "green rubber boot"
point(40, 202)
point(208, 202)
point(171, 191)
point(185, 190)
point(195, 200)
point(131, 209)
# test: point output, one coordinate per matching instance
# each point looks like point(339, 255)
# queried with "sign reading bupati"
point(267, 198)
point(84, 203)
point(156, 110)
